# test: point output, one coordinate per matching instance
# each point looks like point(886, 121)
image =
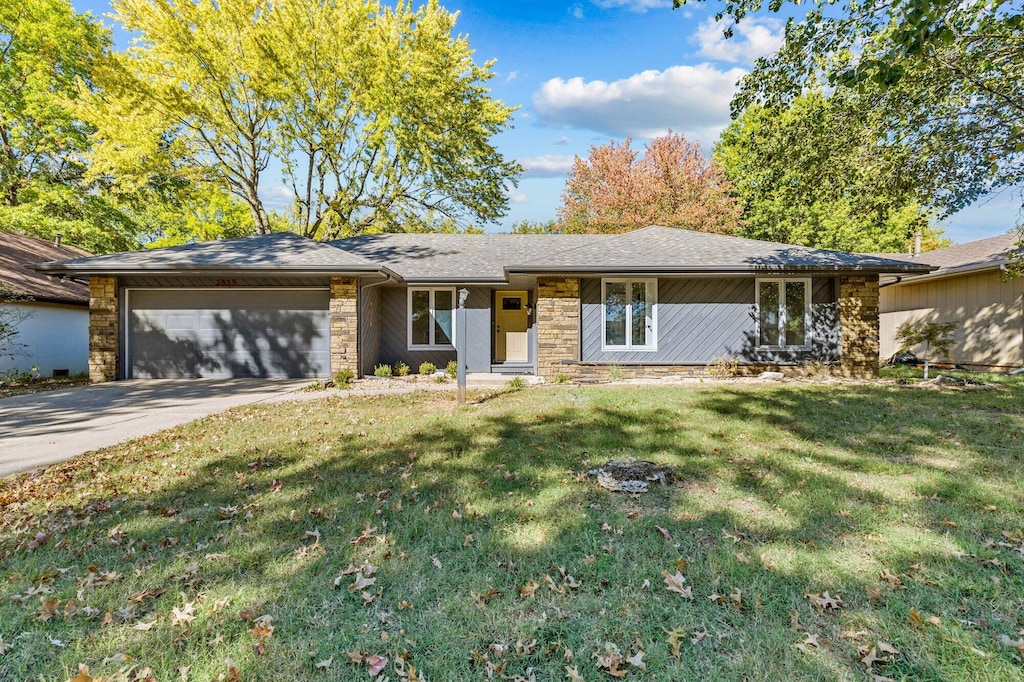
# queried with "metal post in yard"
point(460, 345)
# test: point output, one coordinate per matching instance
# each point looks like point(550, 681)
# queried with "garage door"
point(221, 333)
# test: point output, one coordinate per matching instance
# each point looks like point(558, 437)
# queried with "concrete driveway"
point(44, 428)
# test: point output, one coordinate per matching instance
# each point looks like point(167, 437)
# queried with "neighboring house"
point(53, 319)
point(655, 301)
point(967, 288)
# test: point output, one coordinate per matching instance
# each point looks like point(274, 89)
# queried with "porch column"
point(344, 324)
point(558, 325)
point(858, 327)
point(104, 338)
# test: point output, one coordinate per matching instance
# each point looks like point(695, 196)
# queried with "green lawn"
point(824, 531)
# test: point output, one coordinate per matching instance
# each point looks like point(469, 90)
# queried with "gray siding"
point(369, 329)
point(701, 319)
point(394, 320)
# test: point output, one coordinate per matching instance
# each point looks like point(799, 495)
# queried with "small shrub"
point(441, 378)
point(936, 336)
point(315, 385)
point(452, 369)
point(724, 366)
point(401, 369)
point(383, 371)
point(343, 377)
point(614, 372)
point(516, 384)
point(562, 378)
point(427, 368)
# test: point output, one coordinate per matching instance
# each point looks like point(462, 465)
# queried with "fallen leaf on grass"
point(637, 660)
point(264, 627)
point(377, 664)
point(184, 615)
point(325, 664)
point(361, 582)
point(664, 533)
point(83, 674)
point(809, 644)
point(825, 601)
point(529, 589)
point(573, 674)
point(143, 627)
point(437, 562)
point(674, 583)
point(610, 660)
point(675, 640)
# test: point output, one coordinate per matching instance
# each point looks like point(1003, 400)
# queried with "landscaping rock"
point(631, 475)
point(772, 376)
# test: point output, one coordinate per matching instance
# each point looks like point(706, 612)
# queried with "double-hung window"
point(629, 314)
point(431, 318)
point(783, 312)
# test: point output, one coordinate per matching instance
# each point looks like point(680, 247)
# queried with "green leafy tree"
point(617, 189)
point(946, 79)
point(936, 336)
point(534, 227)
point(46, 51)
point(378, 116)
point(823, 173)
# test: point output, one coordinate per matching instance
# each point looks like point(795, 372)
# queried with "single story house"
point(51, 315)
point(967, 287)
point(654, 301)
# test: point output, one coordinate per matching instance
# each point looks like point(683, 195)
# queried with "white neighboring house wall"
point(55, 337)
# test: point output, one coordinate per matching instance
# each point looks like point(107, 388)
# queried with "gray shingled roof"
point(283, 252)
point(18, 251)
point(666, 249)
point(983, 254)
point(484, 257)
point(458, 257)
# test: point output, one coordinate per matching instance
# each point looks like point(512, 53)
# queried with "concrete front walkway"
point(49, 427)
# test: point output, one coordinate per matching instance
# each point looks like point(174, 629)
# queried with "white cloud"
point(547, 166)
point(752, 38)
point(512, 75)
point(561, 141)
point(634, 5)
point(516, 196)
point(693, 100)
point(577, 11)
point(276, 196)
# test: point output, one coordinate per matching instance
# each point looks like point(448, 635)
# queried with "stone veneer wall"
point(558, 326)
point(344, 324)
point(858, 327)
point(104, 339)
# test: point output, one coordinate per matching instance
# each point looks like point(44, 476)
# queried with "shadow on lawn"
point(516, 465)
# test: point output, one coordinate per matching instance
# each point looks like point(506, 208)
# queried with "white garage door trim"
point(126, 309)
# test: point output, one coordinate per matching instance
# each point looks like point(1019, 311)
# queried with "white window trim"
point(652, 282)
point(783, 281)
point(408, 319)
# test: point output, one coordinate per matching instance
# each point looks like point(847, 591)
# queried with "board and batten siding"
point(369, 329)
point(703, 319)
point(989, 314)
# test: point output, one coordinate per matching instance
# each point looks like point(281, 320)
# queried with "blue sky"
point(585, 72)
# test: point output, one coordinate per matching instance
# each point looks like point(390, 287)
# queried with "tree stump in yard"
point(631, 475)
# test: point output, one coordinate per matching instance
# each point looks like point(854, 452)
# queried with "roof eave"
point(937, 272)
point(56, 268)
point(728, 270)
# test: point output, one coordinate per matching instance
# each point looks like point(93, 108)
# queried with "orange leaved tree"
point(617, 189)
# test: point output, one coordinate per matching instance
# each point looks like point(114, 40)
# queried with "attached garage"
point(227, 332)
